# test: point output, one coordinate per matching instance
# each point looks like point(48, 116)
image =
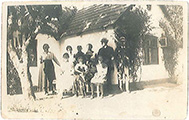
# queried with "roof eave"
point(88, 32)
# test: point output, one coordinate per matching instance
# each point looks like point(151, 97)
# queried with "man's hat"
point(104, 40)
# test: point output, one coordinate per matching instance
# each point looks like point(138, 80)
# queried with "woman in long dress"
point(65, 84)
point(47, 59)
point(41, 79)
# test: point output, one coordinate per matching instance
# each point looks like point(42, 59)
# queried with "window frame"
point(148, 51)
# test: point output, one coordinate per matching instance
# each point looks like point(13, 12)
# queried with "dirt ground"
point(167, 101)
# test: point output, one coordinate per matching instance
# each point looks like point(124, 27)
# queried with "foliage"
point(133, 25)
point(13, 81)
point(173, 29)
point(27, 21)
point(56, 24)
point(49, 19)
point(174, 14)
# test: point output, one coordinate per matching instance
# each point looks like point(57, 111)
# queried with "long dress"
point(41, 78)
point(67, 78)
point(71, 58)
point(107, 54)
point(99, 77)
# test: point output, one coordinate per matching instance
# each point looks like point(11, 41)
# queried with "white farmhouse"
point(93, 23)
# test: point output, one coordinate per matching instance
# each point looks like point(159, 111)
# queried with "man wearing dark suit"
point(107, 54)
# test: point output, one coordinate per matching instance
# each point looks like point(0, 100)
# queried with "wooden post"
point(127, 86)
point(97, 90)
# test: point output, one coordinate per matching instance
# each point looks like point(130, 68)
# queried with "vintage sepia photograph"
point(94, 60)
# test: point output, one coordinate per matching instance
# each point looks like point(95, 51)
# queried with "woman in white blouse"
point(47, 59)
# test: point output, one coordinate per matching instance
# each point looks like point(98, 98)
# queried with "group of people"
point(83, 73)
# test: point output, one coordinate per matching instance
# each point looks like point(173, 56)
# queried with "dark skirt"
point(49, 70)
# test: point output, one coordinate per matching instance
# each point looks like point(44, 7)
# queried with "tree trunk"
point(23, 71)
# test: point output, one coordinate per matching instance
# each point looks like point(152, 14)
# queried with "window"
point(151, 54)
point(149, 7)
point(163, 41)
point(32, 52)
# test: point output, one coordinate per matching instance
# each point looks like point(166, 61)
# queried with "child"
point(80, 71)
point(99, 77)
point(66, 82)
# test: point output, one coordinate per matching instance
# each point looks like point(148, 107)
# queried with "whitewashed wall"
point(152, 72)
point(54, 47)
point(94, 39)
point(149, 72)
point(181, 66)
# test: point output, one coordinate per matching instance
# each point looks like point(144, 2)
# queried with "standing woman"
point(47, 59)
point(70, 53)
point(107, 54)
point(89, 54)
point(66, 82)
point(90, 59)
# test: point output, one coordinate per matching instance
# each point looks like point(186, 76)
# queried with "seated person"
point(99, 77)
point(80, 72)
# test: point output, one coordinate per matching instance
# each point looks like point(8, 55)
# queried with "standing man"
point(122, 63)
point(107, 54)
